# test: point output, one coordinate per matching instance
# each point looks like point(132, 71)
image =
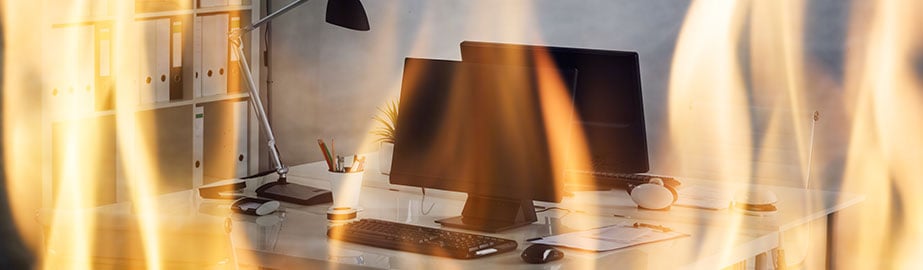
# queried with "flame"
point(739, 93)
point(884, 153)
point(741, 125)
point(98, 180)
point(707, 100)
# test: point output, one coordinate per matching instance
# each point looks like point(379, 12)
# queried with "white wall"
point(328, 80)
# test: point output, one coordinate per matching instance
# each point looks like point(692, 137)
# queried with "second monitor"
point(607, 98)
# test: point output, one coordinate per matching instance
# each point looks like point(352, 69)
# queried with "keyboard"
point(419, 239)
point(630, 178)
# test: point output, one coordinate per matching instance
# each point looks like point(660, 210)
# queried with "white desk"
point(295, 236)
point(719, 238)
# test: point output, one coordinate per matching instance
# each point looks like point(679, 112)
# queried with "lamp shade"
point(347, 13)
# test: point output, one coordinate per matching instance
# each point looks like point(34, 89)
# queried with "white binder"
point(197, 58)
point(198, 152)
point(147, 64)
point(162, 47)
point(241, 118)
point(70, 73)
point(214, 54)
point(154, 65)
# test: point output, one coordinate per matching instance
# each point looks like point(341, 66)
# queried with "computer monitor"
point(477, 129)
point(608, 102)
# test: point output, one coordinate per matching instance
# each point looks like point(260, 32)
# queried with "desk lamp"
point(345, 13)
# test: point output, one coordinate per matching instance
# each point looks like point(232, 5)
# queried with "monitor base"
point(492, 214)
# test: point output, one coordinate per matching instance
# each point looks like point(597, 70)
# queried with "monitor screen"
point(477, 129)
point(607, 97)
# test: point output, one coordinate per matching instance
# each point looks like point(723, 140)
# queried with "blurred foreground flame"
point(885, 103)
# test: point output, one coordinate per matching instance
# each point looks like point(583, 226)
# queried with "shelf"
point(206, 99)
point(222, 9)
point(69, 22)
point(86, 115)
point(162, 14)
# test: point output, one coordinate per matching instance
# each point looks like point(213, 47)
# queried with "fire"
point(737, 105)
point(65, 189)
point(885, 150)
point(739, 110)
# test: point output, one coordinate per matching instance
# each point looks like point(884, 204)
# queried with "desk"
point(295, 236)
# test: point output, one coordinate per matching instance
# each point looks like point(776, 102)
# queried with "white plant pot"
point(385, 151)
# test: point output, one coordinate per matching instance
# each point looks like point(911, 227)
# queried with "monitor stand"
point(492, 214)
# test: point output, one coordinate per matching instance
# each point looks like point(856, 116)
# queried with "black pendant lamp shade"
point(347, 13)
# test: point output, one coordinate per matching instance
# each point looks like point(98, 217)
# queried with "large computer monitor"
point(607, 99)
point(478, 129)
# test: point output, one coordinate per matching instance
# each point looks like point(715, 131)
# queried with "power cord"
point(421, 203)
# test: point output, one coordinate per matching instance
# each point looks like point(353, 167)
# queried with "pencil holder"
point(346, 187)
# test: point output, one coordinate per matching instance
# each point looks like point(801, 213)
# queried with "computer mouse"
point(539, 253)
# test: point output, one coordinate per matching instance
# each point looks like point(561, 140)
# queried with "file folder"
point(147, 63)
point(234, 65)
point(155, 69)
point(241, 118)
point(176, 59)
point(214, 54)
point(197, 58)
point(162, 48)
point(225, 140)
point(198, 139)
point(105, 86)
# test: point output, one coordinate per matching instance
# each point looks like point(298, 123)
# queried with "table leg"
point(737, 266)
point(762, 261)
point(831, 245)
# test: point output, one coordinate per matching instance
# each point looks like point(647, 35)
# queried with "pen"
point(652, 227)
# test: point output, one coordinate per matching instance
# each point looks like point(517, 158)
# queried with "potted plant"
point(387, 120)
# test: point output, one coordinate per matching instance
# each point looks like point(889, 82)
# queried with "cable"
point(552, 208)
point(421, 203)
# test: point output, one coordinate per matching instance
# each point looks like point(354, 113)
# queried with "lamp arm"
point(265, 20)
point(236, 39)
point(257, 103)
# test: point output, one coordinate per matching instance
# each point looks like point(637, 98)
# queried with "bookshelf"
point(145, 91)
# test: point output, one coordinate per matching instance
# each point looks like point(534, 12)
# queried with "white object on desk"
point(345, 187)
point(609, 238)
point(707, 197)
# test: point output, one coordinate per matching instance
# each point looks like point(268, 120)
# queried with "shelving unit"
point(127, 96)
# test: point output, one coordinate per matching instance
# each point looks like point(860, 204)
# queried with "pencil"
point(323, 150)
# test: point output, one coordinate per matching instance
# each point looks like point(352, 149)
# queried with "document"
point(610, 237)
point(700, 196)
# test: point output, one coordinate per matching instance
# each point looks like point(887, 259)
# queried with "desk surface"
point(296, 235)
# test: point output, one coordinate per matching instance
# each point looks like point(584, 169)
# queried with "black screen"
point(607, 98)
point(474, 128)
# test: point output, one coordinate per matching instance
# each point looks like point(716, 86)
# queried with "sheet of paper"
point(608, 238)
point(704, 197)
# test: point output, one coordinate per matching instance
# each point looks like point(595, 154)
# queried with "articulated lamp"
point(345, 13)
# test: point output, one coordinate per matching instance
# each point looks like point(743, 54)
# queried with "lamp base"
point(294, 193)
